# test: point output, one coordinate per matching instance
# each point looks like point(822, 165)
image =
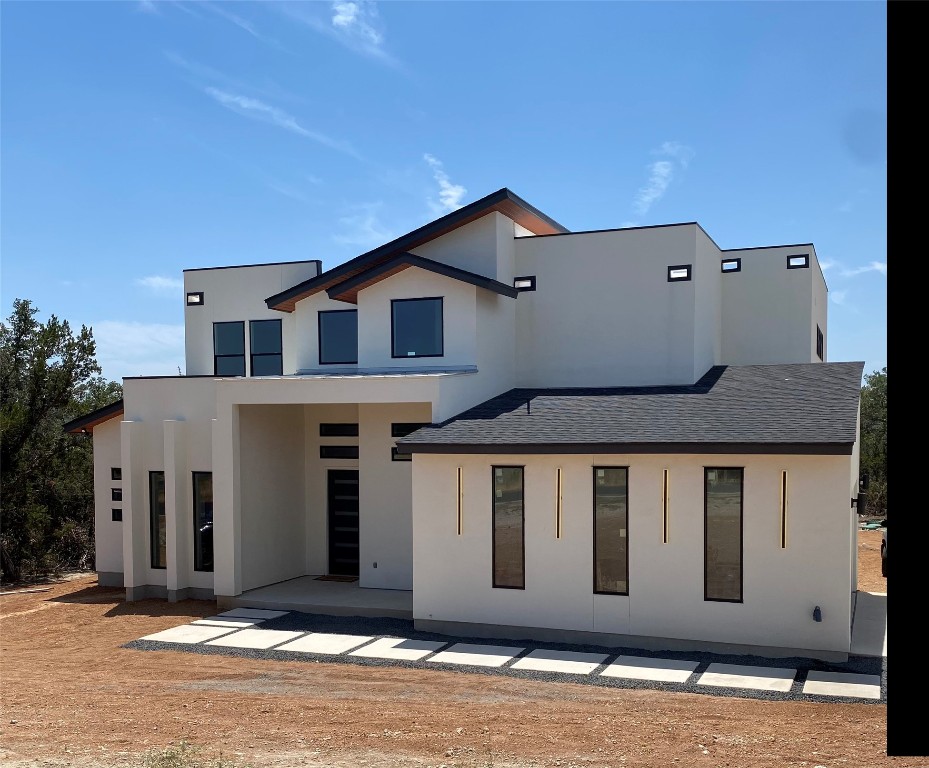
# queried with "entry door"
point(343, 522)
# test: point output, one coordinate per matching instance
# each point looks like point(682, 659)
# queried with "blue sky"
point(143, 138)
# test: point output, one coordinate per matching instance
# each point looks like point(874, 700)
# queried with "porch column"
point(227, 543)
point(134, 488)
point(177, 519)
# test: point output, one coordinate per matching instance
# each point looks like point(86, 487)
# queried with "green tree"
point(48, 375)
point(874, 439)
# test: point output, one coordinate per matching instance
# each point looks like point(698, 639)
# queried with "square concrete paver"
point(325, 643)
point(253, 613)
point(754, 678)
point(398, 648)
point(569, 662)
point(227, 621)
point(843, 684)
point(477, 655)
point(188, 633)
point(658, 670)
point(255, 638)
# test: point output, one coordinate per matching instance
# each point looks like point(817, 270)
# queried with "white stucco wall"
point(306, 320)
point(707, 304)
point(108, 535)
point(239, 293)
point(471, 247)
point(452, 574)
point(820, 311)
point(603, 312)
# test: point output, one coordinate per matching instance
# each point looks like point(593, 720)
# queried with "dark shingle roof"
point(793, 408)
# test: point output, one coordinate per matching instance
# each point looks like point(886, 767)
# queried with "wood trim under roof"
point(502, 201)
point(87, 422)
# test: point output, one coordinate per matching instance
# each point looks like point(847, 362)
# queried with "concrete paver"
point(568, 662)
point(471, 654)
point(398, 648)
point(255, 638)
point(188, 633)
point(741, 676)
point(325, 643)
point(843, 684)
point(657, 670)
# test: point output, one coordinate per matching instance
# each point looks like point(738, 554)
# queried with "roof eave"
point(86, 423)
point(809, 449)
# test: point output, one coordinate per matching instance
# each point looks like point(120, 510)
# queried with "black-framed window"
point(395, 456)
point(509, 545)
point(195, 298)
point(611, 528)
point(338, 430)
point(679, 273)
point(416, 328)
point(116, 494)
point(117, 515)
point(820, 344)
point(402, 429)
point(116, 473)
point(203, 521)
point(730, 265)
point(229, 348)
point(722, 493)
point(524, 283)
point(338, 451)
point(338, 337)
point(798, 261)
point(158, 522)
point(267, 350)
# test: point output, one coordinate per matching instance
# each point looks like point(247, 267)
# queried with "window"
point(665, 505)
point(730, 265)
point(679, 273)
point(783, 526)
point(229, 349)
point(402, 429)
point(800, 261)
point(266, 347)
point(116, 494)
point(526, 283)
point(416, 328)
point(195, 299)
point(203, 521)
point(338, 430)
point(611, 521)
point(338, 337)
point(820, 344)
point(396, 456)
point(117, 515)
point(508, 542)
point(559, 494)
point(158, 522)
point(723, 533)
point(460, 505)
point(116, 473)
point(338, 451)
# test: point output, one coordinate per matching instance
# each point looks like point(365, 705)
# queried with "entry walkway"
point(869, 624)
point(309, 595)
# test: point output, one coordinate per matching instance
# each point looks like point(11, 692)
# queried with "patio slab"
point(260, 639)
point(472, 654)
point(568, 662)
point(253, 613)
point(753, 678)
point(843, 684)
point(188, 634)
point(657, 670)
point(325, 643)
point(398, 648)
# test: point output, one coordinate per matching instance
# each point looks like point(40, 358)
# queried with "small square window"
point(395, 455)
point(117, 515)
point(116, 494)
point(799, 261)
point(116, 473)
point(731, 265)
point(195, 299)
point(526, 283)
point(679, 273)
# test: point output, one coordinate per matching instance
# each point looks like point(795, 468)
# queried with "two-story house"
point(626, 436)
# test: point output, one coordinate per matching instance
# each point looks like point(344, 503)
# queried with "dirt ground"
point(72, 697)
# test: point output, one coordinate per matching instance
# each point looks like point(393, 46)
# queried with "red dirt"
point(72, 697)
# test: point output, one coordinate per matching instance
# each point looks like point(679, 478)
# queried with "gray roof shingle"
point(791, 408)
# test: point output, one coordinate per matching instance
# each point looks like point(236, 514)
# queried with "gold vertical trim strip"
point(784, 503)
point(558, 503)
point(665, 504)
point(460, 500)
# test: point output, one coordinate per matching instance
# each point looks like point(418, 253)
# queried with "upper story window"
point(679, 273)
point(416, 328)
point(338, 337)
point(266, 347)
point(730, 265)
point(820, 344)
point(800, 261)
point(229, 349)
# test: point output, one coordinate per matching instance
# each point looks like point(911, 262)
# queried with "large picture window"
point(723, 533)
point(158, 522)
point(508, 542)
point(229, 349)
point(338, 337)
point(203, 521)
point(611, 529)
point(416, 328)
point(266, 347)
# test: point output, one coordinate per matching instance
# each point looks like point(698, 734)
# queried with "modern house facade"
point(627, 436)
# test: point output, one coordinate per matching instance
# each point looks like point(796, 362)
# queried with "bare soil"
point(71, 696)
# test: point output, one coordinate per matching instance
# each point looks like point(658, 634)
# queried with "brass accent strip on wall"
point(558, 503)
point(665, 504)
point(460, 500)
point(784, 509)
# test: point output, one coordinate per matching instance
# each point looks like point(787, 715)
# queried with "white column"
point(177, 513)
point(134, 489)
point(227, 544)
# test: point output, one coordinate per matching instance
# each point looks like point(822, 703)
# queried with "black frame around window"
point(495, 506)
point(227, 360)
point(117, 515)
point(530, 279)
point(820, 344)
point(734, 265)
point(195, 298)
point(394, 303)
point(805, 264)
point(116, 494)
point(116, 473)
point(158, 528)
point(622, 538)
point(688, 273)
point(395, 456)
point(338, 451)
point(203, 520)
point(340, 429)
point(343, 359)
point(270, 354)
point(404, 428)
point(719, 596)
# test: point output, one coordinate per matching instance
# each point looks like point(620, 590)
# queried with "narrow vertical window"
point(611, 552)
point(558, 503)
point(267, 356)
point(723, 533)
point(158, 522)
point(460, 500)
point(665, 504)
point(508, 542)
point(203, 521)
point(784, 509)
point(229, 349)
point(820, 344)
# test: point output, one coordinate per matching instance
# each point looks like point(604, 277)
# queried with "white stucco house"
point(622, 437)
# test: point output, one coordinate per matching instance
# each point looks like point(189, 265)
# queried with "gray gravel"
point(385, 627)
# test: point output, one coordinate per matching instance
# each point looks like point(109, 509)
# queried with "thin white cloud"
point(825, 264)
point(661, 173)
point(450, 195)
point(243, 24)
point(258, 110)
point(874, 266)
point(838, 297)
point(138, 349)
point(364, 229)
point(147, 6)
point(354, 24)
point(160, 285)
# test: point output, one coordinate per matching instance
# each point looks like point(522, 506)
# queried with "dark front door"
point(343, 522)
